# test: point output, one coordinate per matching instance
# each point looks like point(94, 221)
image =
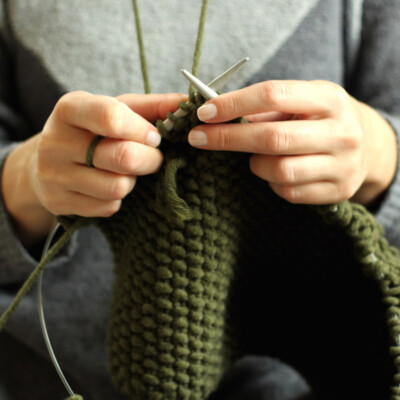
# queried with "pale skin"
point(50, 168)
point(311, 141)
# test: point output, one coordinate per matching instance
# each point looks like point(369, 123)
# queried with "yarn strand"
point(33, 277)
point(142, 54)
point(199, 42)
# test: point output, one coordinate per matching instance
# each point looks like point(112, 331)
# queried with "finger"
point(126, 157)
point(87, 206)
point(295, 170)
point(153, 106)
point(104, 115)
point(323, 192)
point(275, 138)
point(99, 184)
point(269, 116)
point(114, 155)
point(292, 97)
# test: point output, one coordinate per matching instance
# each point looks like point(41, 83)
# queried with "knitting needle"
point(215, 84)
point(220, 81)
point(203, 89)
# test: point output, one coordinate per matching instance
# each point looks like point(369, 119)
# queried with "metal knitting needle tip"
point(220, 81)
point(216, 84)
point(203, 89)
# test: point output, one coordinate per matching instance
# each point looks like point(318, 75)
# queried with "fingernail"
point(197, 138)
point(207, 112)
point(153, 139)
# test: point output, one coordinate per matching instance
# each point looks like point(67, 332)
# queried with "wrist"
point(31, 221)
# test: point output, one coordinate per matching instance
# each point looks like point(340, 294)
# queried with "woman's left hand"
point(312, 141)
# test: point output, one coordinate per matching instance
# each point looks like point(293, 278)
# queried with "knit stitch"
point(206, 256)
point(168, 333)
point(210, 265)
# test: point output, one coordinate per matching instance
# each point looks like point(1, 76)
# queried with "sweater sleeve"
point(15, 261)
point(375, 80)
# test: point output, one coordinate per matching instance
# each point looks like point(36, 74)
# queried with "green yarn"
point(35, 275)
point(142, 54)
point(166, 336)
point(210, 264)
point(245, 272)
point(199, 41)
point(92, 146)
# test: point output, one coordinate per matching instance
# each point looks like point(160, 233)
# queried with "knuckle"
point(65, 104)
point(260, 140)
point(340, 97)
point(112, 117)
point(161, 108)
point(111, 208)
point(119, 188)
point(272, 92)
point(229, 107)
point(353, 139)
point(45, 173)
point(284, 172)
point(125, 156)
point(46, 143)
point(224, 138)
point(340, 94)
point(48, 174)
point(232, 106)
point(279, 139)
point(290, 193)
point(353, 170)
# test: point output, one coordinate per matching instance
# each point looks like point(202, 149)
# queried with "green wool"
point(210, 265)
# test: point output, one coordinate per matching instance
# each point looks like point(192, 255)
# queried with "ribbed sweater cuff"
point(15, 261)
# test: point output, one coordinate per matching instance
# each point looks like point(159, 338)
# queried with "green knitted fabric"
point(168, 334)
point(210, 264)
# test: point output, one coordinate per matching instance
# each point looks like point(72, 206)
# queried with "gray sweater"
point(49, 47)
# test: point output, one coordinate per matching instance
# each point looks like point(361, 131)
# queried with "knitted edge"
point(380, 261)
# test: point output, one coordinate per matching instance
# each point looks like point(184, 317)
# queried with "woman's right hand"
point(47, 175)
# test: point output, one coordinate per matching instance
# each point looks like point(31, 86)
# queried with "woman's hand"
point(312, 141)
point(47, 175)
